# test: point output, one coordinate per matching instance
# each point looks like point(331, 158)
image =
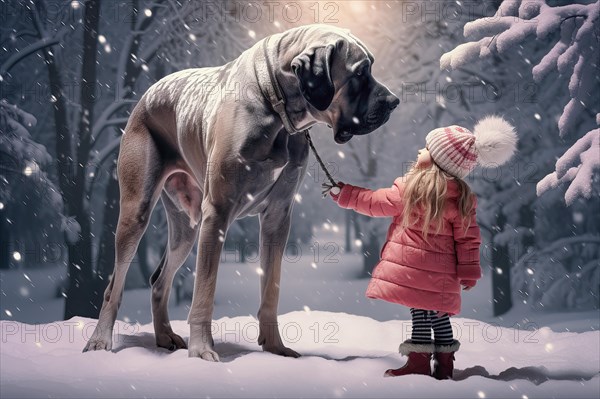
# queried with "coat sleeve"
point(467, 247)
point(383, 202)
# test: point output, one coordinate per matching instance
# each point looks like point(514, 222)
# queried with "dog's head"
point(334, 76)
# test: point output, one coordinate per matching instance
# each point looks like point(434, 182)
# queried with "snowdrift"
point(343, 356)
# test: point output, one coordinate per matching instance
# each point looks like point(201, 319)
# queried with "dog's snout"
point(392, 101)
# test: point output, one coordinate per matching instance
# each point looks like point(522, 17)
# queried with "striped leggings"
point(422, 323)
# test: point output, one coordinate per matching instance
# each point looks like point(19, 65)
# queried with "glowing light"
point(17, 256)
point(357, 6)
point(481, 394)
point(148, 12)
point(8, 313)
point(549, 347)
point(101, 39)
point(259, 271)
point(252, 34)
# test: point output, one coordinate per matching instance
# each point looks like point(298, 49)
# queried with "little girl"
point(432, 245)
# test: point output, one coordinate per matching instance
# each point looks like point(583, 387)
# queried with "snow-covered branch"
point(574, 55)
point(576, 167)
point(31, 49)
point(104, 123)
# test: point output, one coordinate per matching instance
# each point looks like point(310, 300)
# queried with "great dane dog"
point(220, 143)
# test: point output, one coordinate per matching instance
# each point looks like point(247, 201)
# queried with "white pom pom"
point(495, 141)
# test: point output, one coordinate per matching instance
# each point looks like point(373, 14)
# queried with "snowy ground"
point(343, 356)
point(347, 341)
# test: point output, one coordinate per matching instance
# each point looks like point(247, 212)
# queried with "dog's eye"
point(359, 72)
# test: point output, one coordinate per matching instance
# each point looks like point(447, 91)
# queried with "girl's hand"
point(334, 191)
point(468, 284)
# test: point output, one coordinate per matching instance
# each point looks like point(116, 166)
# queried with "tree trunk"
point(106, 250)
point(4, 242)
point(370, 253)
point(502, 295)
point(347, 241)
point(142, 254)
point(80, 266)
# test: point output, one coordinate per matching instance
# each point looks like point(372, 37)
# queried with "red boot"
point(419, 357)
point(444, 360)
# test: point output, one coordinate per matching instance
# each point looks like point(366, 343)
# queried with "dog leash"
point(333, 187)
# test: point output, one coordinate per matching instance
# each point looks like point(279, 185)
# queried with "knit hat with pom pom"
point(457, 151)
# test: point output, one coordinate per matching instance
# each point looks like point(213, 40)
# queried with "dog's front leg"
point(274, 230)
point(212, 234)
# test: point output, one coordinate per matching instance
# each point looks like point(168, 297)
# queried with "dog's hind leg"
point(140, 171)
point(181, 239)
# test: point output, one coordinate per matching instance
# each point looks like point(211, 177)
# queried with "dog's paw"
point(206, 354)
point(281, 351)
point(96, 344)
point(170, 341)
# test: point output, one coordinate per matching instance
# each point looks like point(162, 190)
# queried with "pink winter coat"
point(413, 272)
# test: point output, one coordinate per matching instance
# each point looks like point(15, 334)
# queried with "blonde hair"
point(425, 190)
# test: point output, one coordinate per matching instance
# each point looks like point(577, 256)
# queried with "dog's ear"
point(313, 70)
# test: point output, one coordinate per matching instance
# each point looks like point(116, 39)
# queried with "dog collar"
point(270, 88)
